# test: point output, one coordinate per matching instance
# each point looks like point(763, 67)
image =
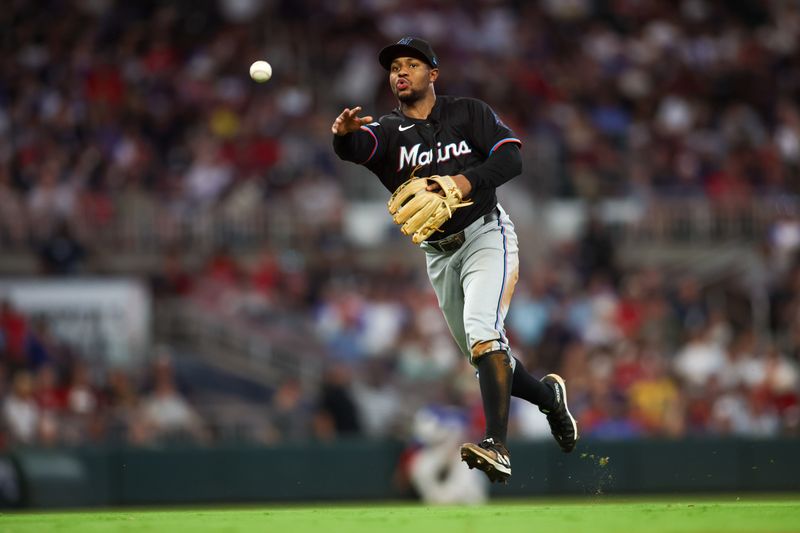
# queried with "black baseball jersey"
point(458, 137)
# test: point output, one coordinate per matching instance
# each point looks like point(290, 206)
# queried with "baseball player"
point(471, 249)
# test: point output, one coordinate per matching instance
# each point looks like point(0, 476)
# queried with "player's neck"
point(419, 108)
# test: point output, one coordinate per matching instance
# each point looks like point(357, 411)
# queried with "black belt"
point(454, 241)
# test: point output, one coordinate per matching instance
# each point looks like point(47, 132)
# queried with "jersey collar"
point(434, 114)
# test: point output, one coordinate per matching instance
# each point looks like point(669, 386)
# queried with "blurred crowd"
point(121, 115)
point(646, 353)
point(130, 113)
point(52, 395)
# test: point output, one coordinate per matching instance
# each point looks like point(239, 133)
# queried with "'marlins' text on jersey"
point(459, 136)
point(412, 157)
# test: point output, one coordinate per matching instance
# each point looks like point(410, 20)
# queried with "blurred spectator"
point(49, 394)
point(125, 421)
point(60, 252)
point(40, 346)
point(597, 254)
point(340, 322)
point(208, 176)
point(20, 412)
point(336, 414)
point(377, 399)
point(603, 327)
point(611, 419)
point(688, 305)
point(266, 274)
point(14, 327)
point(222, 268)
point(422, 357)
point(52, 199)
point(532, 308)
point(738, 412)
point(656, 400)
point(166, 415)
point(700, 359)
point(173, 278)
point(83, 416)
point(13, 213)
point(290, 413)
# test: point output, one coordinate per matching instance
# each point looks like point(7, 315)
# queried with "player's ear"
point(434, 73)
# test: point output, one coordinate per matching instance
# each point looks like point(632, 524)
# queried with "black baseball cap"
point(408, 47)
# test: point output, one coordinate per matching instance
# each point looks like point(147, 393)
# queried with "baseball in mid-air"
point(260, 71)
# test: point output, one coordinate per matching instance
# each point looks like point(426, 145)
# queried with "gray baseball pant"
point(474, 285)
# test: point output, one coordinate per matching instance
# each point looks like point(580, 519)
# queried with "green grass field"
point(613, 515)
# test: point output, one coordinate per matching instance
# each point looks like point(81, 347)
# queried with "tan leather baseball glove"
point(421, 212)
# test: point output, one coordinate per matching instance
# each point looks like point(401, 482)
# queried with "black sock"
point(494, 376)
point(531, 389)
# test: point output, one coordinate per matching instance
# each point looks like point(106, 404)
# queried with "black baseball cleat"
point(489, 457)
point(562, 425)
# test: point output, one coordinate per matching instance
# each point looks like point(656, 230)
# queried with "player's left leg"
point(550, 395)
point(445, 280)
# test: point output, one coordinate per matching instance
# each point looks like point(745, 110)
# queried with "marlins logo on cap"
point(408, 47)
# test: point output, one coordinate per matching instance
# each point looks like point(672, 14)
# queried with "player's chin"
point(406, 95)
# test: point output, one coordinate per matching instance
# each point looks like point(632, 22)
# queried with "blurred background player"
point(433, 462)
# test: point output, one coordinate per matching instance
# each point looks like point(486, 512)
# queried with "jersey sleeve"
point(489, 132)
point(363, 146)
point(504, 163)
point(498, 144)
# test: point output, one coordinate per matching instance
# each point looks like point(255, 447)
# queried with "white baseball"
point(260, 71)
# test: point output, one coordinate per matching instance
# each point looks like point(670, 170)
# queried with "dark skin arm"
point(349, 122)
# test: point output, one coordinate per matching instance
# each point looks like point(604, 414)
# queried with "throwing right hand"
point(348, 121)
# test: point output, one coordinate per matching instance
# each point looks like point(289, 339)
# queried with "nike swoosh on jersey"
point(401, 128)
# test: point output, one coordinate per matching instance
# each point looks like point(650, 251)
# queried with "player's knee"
point(485, 348)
